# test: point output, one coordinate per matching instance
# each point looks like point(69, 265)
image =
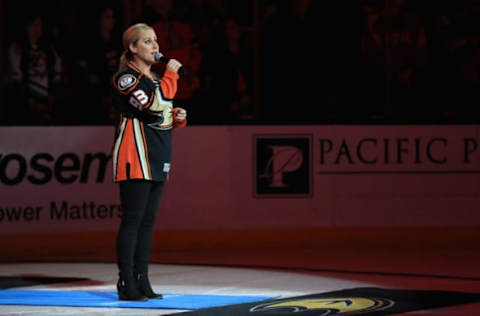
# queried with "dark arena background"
point(330, 164)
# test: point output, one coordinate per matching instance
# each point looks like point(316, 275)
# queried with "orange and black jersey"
point(142, 147)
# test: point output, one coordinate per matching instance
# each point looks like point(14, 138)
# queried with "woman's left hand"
point(180, 114)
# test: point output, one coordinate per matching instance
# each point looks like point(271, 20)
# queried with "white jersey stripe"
point(142, 154)
point(116, 148)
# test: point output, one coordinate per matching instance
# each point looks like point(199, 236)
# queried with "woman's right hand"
point(174, 65)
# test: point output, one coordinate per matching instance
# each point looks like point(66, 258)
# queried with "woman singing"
point(142, 149)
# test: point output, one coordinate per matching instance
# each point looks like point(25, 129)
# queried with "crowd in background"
point(251, 61)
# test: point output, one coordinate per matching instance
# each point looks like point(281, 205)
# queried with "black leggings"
point(139, 199)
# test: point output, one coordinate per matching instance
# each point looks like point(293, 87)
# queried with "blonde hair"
point(131, 35)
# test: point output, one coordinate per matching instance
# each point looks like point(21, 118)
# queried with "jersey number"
point(141, 97)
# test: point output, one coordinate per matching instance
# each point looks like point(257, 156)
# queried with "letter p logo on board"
point(284, 159)
point(282, 166)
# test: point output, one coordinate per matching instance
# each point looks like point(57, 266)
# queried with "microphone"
point(160, 57)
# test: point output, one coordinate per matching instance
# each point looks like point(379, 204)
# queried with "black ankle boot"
point(127, 291)
point(144, 287)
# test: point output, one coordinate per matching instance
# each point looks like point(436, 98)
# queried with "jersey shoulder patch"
point(126, 81)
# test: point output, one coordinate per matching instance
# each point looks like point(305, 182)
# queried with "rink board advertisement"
point(59, 179)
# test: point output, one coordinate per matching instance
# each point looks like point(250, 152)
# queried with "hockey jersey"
point(145, 119)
